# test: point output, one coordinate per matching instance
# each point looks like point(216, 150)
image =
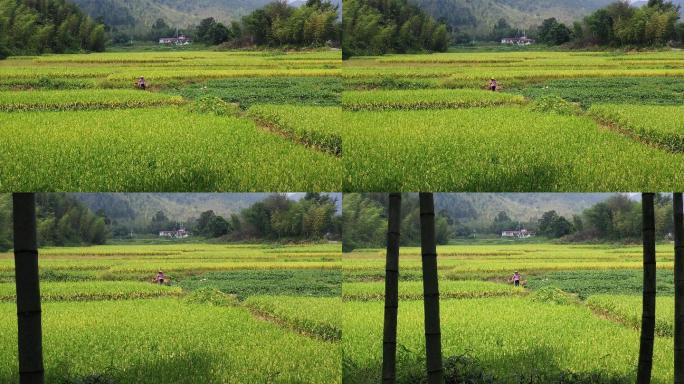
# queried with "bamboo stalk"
point(28, 291)
point(389, 344)
point(433, 337)
point(678, 212)
point(649, 292)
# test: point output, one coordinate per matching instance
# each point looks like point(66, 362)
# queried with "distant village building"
point(180, 40)
point(517, 40)
point(181, 233)
point(521, 234)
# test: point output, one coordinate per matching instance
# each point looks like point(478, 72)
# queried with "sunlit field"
point(575, 320)
point(231, 313)
point(428, 122)
point(77, 122)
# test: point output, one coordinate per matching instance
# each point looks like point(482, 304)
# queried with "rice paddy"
point(104, 321)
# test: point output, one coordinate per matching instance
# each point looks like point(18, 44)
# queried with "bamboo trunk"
point(389, 344)
point(28, 291)
point(649, 294)
point(433, 338)
point(678, 208)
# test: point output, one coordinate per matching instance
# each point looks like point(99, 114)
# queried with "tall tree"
point(649, 293)
point(678, 209)
point(28, 291)
point(389, 344)
point(433, 336)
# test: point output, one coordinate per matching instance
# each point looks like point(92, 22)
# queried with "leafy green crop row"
point(82, 99)
point(288, 90)
point(425, 99)
point(157, 149)
point(413, 290)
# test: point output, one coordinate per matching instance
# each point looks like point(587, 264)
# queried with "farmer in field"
point(516, 279)
point(141, 83)
point(493, 85)
point(160, 278)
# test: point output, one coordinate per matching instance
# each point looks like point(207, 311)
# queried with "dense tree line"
point(619, 24)
point(373, 27)
point(61, 220)
point(42, 26)
point(277, 24)
point(277, 217)
point(364, 221)
point(618, 218)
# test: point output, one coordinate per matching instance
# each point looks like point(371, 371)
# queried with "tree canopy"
point(47, 26)
point(374, 27)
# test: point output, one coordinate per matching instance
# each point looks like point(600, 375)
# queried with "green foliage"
point(380, 100)
point(279, 24)
point(377, 27)
point(212, 296)
point(413, 290)
point(619, 24)
point(552, 295)
point(291, 282)
point(617, 90)
point(555, 105)
point(364, 222)
point(586, 283)
point(63, 220)
point(215, 106)
point(249, 91)
point(658, 125)
point(29, 27)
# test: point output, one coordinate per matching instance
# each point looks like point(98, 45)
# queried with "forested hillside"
point(57, 26)
point(476, 18)
point(139, 13)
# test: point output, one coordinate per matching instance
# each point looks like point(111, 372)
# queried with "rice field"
point(107, 324)
point(575, 319)
point(426, 121)
point(77, 122)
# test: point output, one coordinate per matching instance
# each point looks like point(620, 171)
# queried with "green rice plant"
point(153, 149)
point(425, 99)
point(93, 290)
point(512, 339)
point(171, 341)
point(314, 126)
point(626, 309)
point(659, 125)
point(413, 290)
point(496, 149)
point(82, 99)
point(315, 316)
